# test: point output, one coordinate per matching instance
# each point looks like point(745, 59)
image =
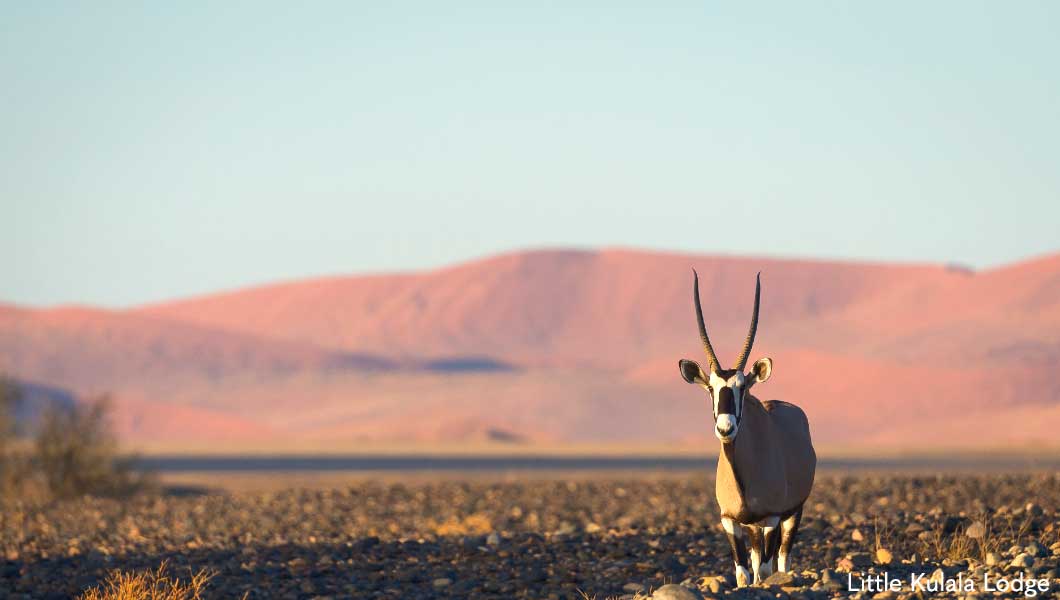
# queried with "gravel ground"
point(538, 539)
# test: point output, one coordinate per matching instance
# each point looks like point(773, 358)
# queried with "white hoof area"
point(743, 577)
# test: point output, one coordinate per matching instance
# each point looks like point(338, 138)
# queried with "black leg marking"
point(772, 545)
point(739, 549)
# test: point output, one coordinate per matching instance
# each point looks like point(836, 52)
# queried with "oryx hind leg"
point(788, 529)
point(734, 531)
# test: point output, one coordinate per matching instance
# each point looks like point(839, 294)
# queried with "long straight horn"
point(754, 326)
point(713, 358)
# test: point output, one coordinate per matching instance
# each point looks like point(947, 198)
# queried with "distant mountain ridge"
point(567, 346)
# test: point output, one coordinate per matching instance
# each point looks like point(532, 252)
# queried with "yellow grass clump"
point(474, 524)
point(149, 585)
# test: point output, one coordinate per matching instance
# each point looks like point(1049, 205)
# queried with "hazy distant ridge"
point(567, 346)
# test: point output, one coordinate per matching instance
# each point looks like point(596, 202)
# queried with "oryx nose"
point(725, 426)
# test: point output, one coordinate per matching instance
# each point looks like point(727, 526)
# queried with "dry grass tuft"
point(636, 596)
point(149, 585)
point(474, 524)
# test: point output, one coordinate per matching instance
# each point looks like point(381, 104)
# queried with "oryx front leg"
point(770, 545)
point(734, 531)
point(763, 542)
point(754, 533)
point(788, 529)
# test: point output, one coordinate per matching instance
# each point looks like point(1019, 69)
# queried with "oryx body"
point(766, 472)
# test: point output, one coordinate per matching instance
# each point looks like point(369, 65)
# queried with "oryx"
point(766, 464)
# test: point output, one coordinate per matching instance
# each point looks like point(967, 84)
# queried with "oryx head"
point(726, 386)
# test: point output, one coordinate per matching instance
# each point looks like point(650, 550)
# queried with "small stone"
point(1034, 549)
point(884, 556)
point(857, 536)
point(493, 540)
point(1022, 561)
point(779, 578)
point(442, 582)
point(844, 565)
point(992, 558)
point(938, 576)
point(672, 591)
point(716, 584)
point(593, 528)
point(860, 559)
point(950, 524)
point(976, 530)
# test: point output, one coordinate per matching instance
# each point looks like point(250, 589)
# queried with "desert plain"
point(524, 535)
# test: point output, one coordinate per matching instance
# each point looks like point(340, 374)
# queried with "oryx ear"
point(762, 370)
point(692, 372)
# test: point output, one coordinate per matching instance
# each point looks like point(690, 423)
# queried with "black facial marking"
point(726, 402)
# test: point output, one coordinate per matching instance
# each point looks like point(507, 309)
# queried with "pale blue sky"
point(179, 148)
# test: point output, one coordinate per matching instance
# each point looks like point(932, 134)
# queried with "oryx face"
point(726, 387)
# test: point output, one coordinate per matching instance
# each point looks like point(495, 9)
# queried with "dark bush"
point(11, 468)
point(77, 453)
point(73, 452)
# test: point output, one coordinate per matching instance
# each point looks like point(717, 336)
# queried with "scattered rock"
point(716, 584)
point(376, 540)
point(857, 536)
point(938, 576)
point(976, 530)
point(1036, 550)
point(672, 591)
point(884, 556)
point(779, 578)
point(860, 559)
point(1022, 561)
point(950, 524)
point(914, 529)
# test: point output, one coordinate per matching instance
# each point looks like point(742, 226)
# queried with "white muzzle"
point(725, 427)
